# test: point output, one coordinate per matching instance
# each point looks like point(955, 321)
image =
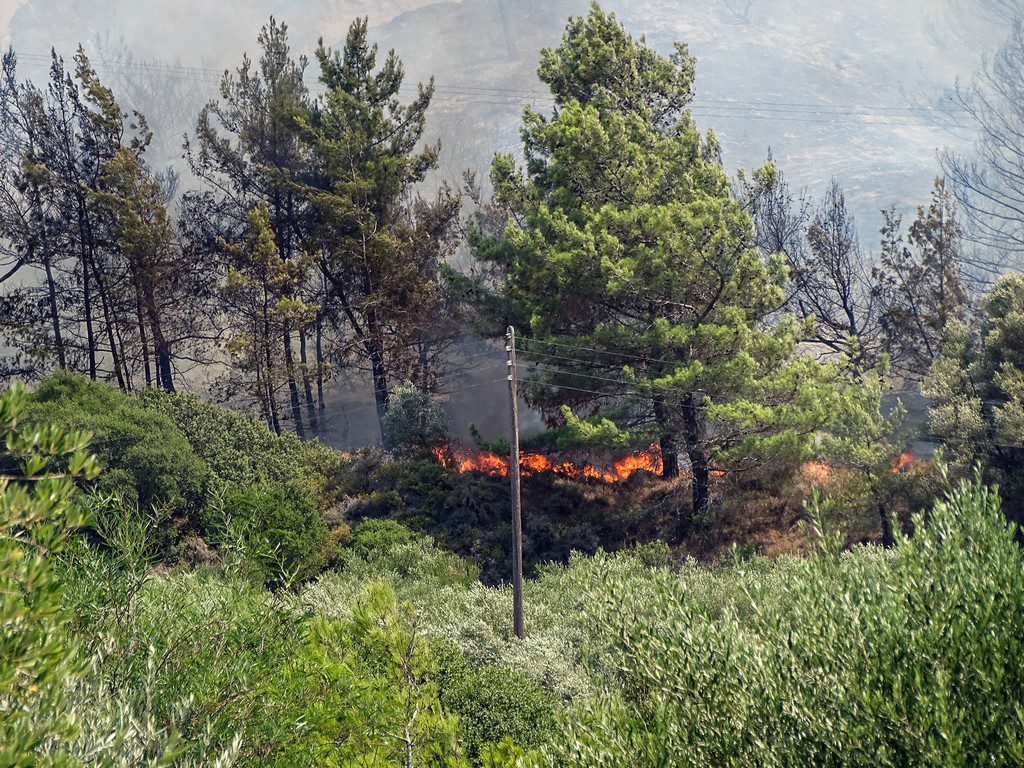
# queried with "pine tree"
point(379, 246)
point(635, 274)
point(162, 286)
point(60, 139)
point(247, 149)
point(262, 298)
point(920, 286)
point(976, 393)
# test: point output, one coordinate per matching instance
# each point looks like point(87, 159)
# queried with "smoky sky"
point(854, 91)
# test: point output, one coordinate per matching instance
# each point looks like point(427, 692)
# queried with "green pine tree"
point(976, 391)
point(633, 270)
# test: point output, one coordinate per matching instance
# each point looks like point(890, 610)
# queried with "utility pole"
point(513, 473)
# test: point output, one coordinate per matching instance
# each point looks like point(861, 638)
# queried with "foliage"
point(281, 523)
point(976, 388)
point(626, 255)
point(239, 449)
point(383, 707)
point(494, 704)
point(909, 659)
point(144, 453)
point(178, 457)
point(922, 286)
point(469, 514)
point(379, 246)
point(413, 422)
point(250, 221)
point(37, 515)
point(868, 442)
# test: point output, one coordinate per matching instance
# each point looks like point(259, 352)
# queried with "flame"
point(648, 460)
point(535, 463)
point(820, 471)
point(903, 462)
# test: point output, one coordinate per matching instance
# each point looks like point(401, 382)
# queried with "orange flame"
point(903, 462)
point(534, 463)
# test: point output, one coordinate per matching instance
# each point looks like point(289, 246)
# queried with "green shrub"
point(37, 515)
point(413, 422)
point(240, 450)
point(374, 539)
point(863, 659)
point(283, 528)
point(143, 452)
point(494, 704)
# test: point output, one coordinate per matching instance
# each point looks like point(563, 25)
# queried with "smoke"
point(849, 90)
point(853, 91)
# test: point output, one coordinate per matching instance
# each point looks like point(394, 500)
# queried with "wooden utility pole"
point(513, 473)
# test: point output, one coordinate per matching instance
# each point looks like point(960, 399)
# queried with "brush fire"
point(648, 460)
point(489, 463)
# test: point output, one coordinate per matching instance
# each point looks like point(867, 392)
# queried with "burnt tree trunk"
point(696, 451)
point(666, 442)
point(293, 387)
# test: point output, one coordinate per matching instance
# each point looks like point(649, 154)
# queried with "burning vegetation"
point(648, 460)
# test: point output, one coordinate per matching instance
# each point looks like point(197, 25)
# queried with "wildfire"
point(817, 471)
point(648, 460)
point(904, 461)
point(534, 463)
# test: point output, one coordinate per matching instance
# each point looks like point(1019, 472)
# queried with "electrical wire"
point(856, 114)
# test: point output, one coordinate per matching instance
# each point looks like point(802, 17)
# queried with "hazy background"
point(856, 91)
point(834, 88)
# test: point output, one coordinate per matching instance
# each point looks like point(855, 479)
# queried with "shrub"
point(863, 659)
point(494, 704)
point(237, 448)
point(413, 422)
point(37, 515)
point(283, 528)
point(144, 453)
point(375, 539)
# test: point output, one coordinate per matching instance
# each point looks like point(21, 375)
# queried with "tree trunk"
point(51, 289)
point(108, 321)
point(666, 442)
point(293, 388)
point(143, 339)
point(696, 451)
point(669, 456)
point(161, 347)
point(378, 369)
point(275, 421)
point(319, 369)
point(90, 334)
point(307, 386)
point(888, 534)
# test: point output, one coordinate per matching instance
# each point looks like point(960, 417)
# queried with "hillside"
point(390, 652)
point(816, 89)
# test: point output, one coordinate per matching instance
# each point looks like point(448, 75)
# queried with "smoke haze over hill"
point(859, 92)
point(833, 89)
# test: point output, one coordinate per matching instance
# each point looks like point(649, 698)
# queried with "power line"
point(805, 112)
point(643, 358)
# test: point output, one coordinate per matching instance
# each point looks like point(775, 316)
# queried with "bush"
point(413, 422)
point(494, 704)
point(37, 515)
point(863, 659)
point(282, 527)
point(144, 453)
point(239, 449)
point(377, 539)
